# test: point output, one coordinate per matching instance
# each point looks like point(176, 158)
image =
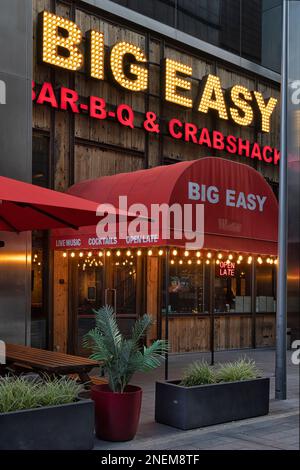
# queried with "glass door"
point(123, 284)
point(88, 290)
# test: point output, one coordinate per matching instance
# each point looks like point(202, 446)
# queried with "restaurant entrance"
point(103, 277)
point(220, 295)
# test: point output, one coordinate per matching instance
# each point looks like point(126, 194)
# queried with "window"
point(188, 286)
point(249, 28)
point(233, 291)
point(265, 289)
point(40, 160)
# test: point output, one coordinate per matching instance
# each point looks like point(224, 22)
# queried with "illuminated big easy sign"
point(59, 45)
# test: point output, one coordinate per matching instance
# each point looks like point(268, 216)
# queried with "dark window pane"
point(40, 160)
point(188, 285)
point(265, 288)
point(160, 10)
point(271, 34)
point(230, 30)
point(251, 29)
point(200, 18)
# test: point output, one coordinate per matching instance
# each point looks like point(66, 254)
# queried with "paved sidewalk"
point(278, 430)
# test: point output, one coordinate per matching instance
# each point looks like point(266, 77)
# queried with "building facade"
point(119, 87)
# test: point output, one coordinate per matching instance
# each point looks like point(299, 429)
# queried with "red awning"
point(24, 206)
point(241, 210)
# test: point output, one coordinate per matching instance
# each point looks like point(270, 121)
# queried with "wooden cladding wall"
point(81, 147)
point(190, 334)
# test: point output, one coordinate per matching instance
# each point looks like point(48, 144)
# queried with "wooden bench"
point(93, 379)
point(49, 363)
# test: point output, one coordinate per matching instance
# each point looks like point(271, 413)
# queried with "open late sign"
point(60, 45)
point(227, 269)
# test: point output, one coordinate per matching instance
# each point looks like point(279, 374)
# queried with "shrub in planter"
point(118, 404)
point(208, 396)
point(45, 414)
point(198, 373)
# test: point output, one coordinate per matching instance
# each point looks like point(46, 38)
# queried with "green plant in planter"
point(201, 373)
point(20, 393)
point(122, 357)
point(242, 369)
point(198, 373)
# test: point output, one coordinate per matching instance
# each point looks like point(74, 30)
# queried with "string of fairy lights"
point(127, 257)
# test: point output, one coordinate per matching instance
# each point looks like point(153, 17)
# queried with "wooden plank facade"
point(80, 148)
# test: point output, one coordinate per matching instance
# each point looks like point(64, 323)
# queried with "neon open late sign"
point(227, 269)
point(60, 45)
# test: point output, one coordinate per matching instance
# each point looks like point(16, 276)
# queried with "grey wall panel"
point(15, 35)
point(15, 135)
point(15, 162)
point(15, 288)
point(293, 148)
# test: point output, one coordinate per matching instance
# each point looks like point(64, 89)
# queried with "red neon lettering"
point(276, 156)
point(266, 149)
point(243, 146)
point(256, 153)
point(47, 95)
point(204, 138)
point(175, 134)
point(125, 115)
point(97, 107)
point(218, 140)
point(231, 146)
point(69, 97)
point(190, 131)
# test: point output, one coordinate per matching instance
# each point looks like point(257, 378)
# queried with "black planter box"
point(205, 405)
point(61, 427)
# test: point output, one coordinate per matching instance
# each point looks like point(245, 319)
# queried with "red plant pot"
point(116, 414)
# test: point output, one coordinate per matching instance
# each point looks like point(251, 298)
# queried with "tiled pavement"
point(278, 430)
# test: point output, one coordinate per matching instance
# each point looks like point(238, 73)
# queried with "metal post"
point(212, 310)
point(253, 303)
point(167, 281)
point(280, 370)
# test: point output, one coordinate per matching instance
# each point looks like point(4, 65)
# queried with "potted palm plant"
point(118, 404)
